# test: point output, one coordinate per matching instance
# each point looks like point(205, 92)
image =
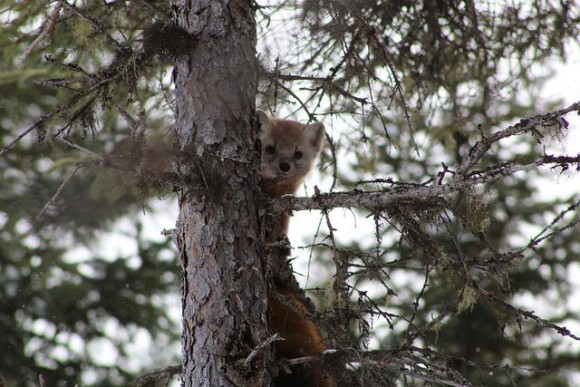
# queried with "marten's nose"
point(284, 166)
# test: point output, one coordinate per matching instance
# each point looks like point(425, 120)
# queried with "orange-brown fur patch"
point(289, 150)
point(301, 338)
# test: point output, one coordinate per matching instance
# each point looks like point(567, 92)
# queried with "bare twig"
point(260, 348)
point(59, 190)
point(303, 360)
point(137, 127)
point(156, 376)
point(46, 33)
point(525, 125)
point(324, 80)
point(78, 147)
point(563, 331)
point(540, 236)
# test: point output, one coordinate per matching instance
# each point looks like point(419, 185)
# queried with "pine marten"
point(289, 150)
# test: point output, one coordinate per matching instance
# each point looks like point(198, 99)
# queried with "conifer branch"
point(434, 189)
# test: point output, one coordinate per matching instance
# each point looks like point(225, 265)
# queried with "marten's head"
point(289, 149)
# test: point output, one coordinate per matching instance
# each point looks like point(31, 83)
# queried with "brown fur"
point(302, 338)
point(282, 174)
point(282, 171)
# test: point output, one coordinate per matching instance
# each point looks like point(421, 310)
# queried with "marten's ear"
point(314, 133)
point(264, 120)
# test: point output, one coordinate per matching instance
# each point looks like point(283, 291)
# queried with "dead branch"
point(525, 125)
point(46, 33)
point(465, 178)
point(152, 378)
point(261, 348)
point(67, 179)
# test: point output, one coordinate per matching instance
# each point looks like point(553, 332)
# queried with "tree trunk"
point(224, 287)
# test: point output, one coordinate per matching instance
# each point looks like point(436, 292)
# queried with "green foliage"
point(61, 291)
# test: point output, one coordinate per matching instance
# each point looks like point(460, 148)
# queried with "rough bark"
point(224, 290)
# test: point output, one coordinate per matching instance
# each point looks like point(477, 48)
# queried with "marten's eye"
point(298, 155)
point(270, 150)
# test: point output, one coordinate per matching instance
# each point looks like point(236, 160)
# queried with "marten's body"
point(302, 338)
point(289, 150)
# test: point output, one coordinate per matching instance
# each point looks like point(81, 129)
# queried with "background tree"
point(417, 98)
point(74, 308)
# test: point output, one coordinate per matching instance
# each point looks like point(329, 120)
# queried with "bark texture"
point(224, 291)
